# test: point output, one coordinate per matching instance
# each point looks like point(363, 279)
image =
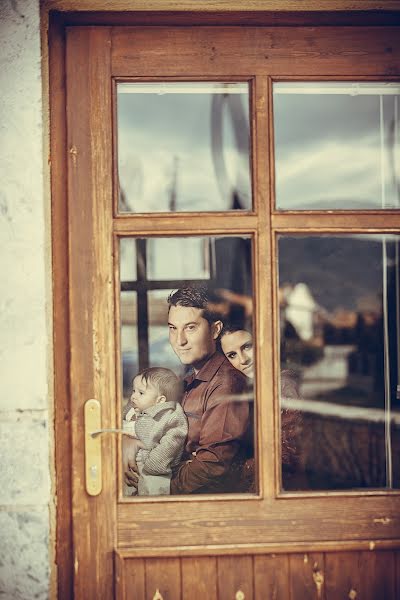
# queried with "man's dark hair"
point(194, 297)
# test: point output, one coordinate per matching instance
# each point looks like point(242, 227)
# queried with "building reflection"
point(339, 335)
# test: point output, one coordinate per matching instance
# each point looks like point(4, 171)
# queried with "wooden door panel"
point(135, 580)
point(306, 576)
point(377, 575)
point(342, 575)
point(317, 519)
point(163, 578)
point(235, 577)
point(91, 298)
point(271, 576)
point(370, 575)
point(199, 578)
point(367, 575)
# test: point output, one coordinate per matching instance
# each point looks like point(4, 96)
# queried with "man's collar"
point(208, 370)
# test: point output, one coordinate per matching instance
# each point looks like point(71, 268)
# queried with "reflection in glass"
point(129, 346)
point(183, 146)
point(337, 145)
point(128, 259)
point(152, 335)
point(339, 328)
point(186, 258)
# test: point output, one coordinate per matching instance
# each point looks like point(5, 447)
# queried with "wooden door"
point(217, 547)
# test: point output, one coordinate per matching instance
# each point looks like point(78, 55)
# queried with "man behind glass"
point(218, 418)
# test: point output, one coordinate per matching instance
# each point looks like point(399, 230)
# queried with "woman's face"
point(238, 349)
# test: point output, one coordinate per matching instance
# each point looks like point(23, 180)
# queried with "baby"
point(155, 418)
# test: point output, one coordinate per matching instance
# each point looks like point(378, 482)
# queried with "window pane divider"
point(335, 222)
point(186, 224)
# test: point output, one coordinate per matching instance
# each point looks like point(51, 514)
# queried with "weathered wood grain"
point(135, 580)
point(248, 51)
point(163, 575)
point(271, 577)
point(235, 577)
point(199, 578)
point(91, 298)
point(306, 576)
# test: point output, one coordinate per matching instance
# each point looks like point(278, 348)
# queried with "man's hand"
point(130, 447)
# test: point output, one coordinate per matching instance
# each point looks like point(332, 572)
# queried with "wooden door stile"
point(91, 298)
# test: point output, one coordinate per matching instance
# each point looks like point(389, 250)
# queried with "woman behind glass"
point(237, 345)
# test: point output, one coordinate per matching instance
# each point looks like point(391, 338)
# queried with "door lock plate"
point(93, 470)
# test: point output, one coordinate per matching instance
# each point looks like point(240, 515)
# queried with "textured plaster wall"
point(25, 494)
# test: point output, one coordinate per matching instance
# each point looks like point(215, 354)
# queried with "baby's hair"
point(164, 380)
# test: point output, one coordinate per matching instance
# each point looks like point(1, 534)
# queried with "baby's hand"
point(190, 460)
point(129, 450)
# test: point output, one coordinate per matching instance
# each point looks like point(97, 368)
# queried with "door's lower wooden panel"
point(134, 577)
point(306, 575)
point(199, 577)
point(373, 575)
point(235, 577)
point(271, 576)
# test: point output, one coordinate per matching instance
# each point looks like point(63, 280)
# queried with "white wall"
point(25, 326)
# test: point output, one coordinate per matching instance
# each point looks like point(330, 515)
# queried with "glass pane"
point(200, 339)
point(337, 145)
point(339, 326)
point(129, 347)
point(183, 146)
point(160, 350)
point(178, 258)
point(128, 259)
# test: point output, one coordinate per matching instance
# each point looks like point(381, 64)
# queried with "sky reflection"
point(336, 148)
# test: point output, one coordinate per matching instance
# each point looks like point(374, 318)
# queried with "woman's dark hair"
point(233, 326)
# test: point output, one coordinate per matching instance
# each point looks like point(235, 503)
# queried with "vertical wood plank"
point(305, 575)
point(164, 575)
point(235, 574)
point(377, 575)
point(271, 577)
point(120, 593)
point(342, 575)
point(134, 579)
point(89, 151)
point(199, 578)
point(263, 288)
point(364, 575)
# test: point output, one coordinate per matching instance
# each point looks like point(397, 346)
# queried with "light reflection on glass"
point(337, 145)
point(339, 326)
point(185, 258)
point(183, 146)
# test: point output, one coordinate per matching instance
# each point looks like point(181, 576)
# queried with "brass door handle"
point(93, 431)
